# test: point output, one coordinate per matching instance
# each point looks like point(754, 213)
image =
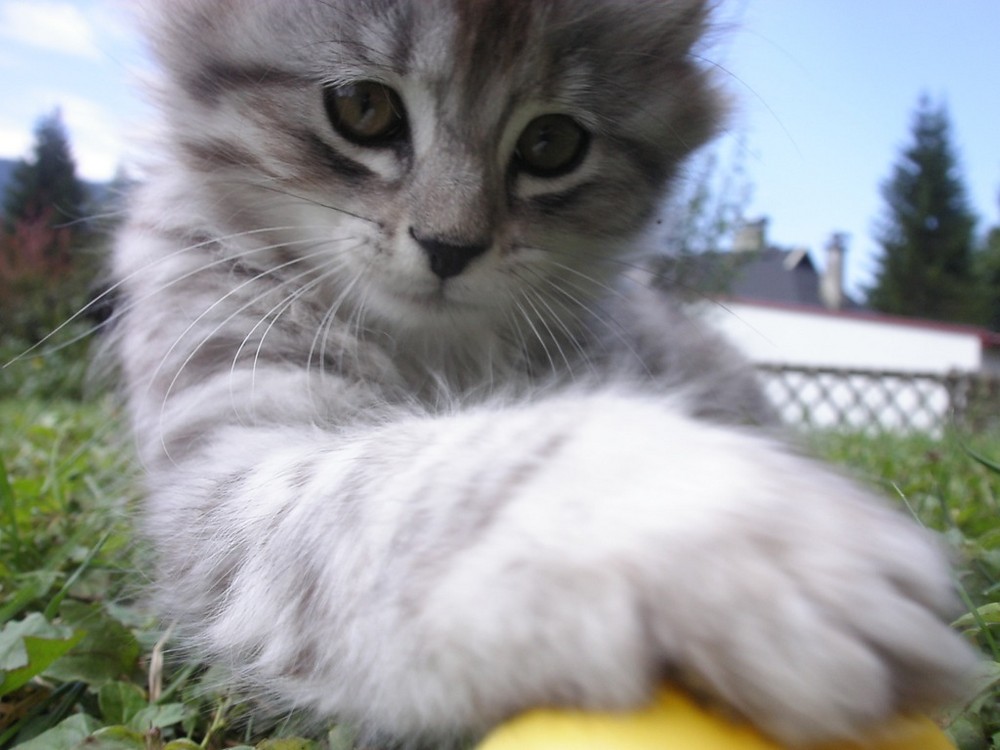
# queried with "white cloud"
point(100, 140)
point(115, 19)
point(49, 25)
point(15, 141)
point(95, 135)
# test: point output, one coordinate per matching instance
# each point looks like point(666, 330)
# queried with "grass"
point(78, 661)
point(953, 486)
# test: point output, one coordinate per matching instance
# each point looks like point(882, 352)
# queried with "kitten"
point(422, 450)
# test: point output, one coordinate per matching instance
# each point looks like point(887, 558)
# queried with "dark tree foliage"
point(989, 272)
point(927, 236)
point(46, 185)
point(47, 259)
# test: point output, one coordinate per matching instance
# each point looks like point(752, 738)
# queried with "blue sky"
point(824, 91)
point(827, 89)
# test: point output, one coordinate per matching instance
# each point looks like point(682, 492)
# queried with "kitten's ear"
point(695, 16)
point(177, 29)
point(664, 31)
point(199, 42)
point(675, 25)
point(653, 85)
point(160, 19)
point(191, 31)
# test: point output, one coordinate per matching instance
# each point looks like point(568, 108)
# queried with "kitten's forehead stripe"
point(496, 61)
point(403, 50)
point(490, 37)
point(215, 79)
point(214, 153)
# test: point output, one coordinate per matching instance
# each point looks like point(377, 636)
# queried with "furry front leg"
point(650, 542)
point(436, 574)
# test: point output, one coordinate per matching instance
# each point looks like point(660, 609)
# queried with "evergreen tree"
point(46, 261)
point(46, 185)
point(927, 237)
point(988, 269)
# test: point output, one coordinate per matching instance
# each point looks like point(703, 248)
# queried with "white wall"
point(776, 335)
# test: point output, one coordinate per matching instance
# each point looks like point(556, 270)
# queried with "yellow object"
point(674, 722)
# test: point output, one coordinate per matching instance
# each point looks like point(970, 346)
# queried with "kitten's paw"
point(812, 609)
point(765, 579)
point(650, 547)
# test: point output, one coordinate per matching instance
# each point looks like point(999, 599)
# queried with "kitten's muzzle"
point(448, 259)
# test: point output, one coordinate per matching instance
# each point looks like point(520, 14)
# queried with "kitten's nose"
point(448, 259)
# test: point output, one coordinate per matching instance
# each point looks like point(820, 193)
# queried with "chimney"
point(831, 283)
point(751, 236)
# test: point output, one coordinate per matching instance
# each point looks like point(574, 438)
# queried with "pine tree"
point(927, 237)
point(45, 261)
point(46, 184)
point(988, 269)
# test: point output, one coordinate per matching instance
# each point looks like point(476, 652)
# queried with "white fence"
point(882, 400)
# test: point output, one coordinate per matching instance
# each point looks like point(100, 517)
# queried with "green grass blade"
point(981, 459)
point(976, 616)
point(9, 507)
point(31, 586)
point(53, 607)
point(68, 692)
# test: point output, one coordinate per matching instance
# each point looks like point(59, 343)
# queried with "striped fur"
point(421, 504)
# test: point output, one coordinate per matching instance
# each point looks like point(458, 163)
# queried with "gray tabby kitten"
point(420, 452)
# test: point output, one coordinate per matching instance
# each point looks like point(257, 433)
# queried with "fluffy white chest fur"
point(422, 449)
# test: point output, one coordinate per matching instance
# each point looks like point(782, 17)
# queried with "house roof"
point(776, 275)
point(779, 275)
point(769, 274)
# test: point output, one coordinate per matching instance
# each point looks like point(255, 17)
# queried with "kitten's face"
point(435, 159)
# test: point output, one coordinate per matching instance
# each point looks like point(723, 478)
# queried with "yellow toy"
point(674, 722)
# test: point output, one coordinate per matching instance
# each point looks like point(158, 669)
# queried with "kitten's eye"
point(365, 112)
point(551, 145)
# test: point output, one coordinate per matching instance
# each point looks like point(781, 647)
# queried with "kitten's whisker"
point(617, 329)
point(359, 314)
point(205, 339)
point(134, 302)
point(519, 342)
point(322, 335)
point(599, 315)
point(630, 262)
point(109, 291)
point(641, 267)
point(526, 317)
point(246, 305)
point(225, 259)
point(526, 294)
point(590, 280)
point(756, 95)
point(355, 321)
point(231, 316)
point(277, 313)
point(572, 333)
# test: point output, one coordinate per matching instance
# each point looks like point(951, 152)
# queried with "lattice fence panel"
point(878, 400)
